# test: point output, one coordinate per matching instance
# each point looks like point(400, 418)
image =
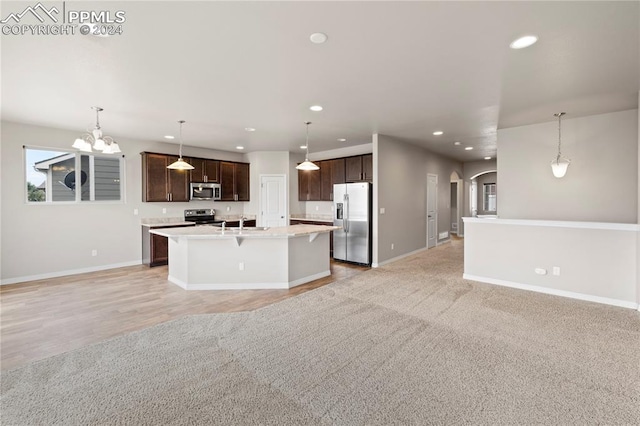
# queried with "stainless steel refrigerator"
point(352, 212)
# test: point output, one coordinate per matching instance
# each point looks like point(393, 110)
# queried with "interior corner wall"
point(601, 184)
point(401, 186)
point(57, 239)
point(264, 163)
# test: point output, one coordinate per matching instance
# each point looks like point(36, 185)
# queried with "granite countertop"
point(235, 217)
point(161, 222)
point(315, 217)
point(214, 232)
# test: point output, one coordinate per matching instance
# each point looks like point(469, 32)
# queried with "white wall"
point(265, 163)
point(401, 185)
point(601, 184)
point(46, 240)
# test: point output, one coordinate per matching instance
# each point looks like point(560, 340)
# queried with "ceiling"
point(404, 69)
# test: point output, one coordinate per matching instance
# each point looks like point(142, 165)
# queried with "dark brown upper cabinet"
point(359, 168)
point(234, 181)
point(205, 170)
point(160, 183)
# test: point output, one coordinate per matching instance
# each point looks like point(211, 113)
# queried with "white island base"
point(204, 258)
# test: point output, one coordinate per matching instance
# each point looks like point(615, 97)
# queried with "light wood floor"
point(47, 317)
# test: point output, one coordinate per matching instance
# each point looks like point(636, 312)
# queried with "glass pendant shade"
point(79, 143)
point(115, 148)
point(180, 164)
point(559, 167)
point(99, 144)
point(306, 164)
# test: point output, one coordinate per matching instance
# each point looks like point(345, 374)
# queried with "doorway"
point(273, 201)
point(432, 210)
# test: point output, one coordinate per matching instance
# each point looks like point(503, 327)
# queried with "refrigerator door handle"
point(346, 219)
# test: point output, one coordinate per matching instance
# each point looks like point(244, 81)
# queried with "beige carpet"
point(408, 343)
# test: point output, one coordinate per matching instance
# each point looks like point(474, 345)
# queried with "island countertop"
point(214, 232)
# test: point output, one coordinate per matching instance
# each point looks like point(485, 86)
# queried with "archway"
point(457, 187)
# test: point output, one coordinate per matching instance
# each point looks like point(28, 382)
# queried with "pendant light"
point(560, 164)
point(95, 139)
point(180, 164)
point(306, 164)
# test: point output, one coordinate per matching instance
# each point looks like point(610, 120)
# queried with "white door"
point(273, 200)
point(432, 210)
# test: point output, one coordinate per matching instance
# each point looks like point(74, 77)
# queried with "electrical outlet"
point(556, 271)
point(164, 211)
point(540, 271)
point(393, 246)
point(135, 212)
point(317, 208)
point(94, 252)
point(228, 208)
point(241, 266)
point(382, 210)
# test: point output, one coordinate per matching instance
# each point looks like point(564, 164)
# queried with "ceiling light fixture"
point(468, 148)
point(438, 133)
point(316, 108)
point(169, 137)
point(457, 143)
point(94, 139)
point(239, 147)
point(318, 38)
point(342, 140)
point(487, 158)
point(180, 164)
point(524, 41)
point(303, 147)
point(250, 129)
point(560, 164)
point(306, 164)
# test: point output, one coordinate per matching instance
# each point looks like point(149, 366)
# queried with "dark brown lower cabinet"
point(155, 248)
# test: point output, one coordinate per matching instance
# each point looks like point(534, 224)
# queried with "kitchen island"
point(208, 258)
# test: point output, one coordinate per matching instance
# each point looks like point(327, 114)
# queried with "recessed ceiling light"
point(523, 42)
point(456, 143)
point(318, 38)
point(239, 147)
point(303, 147)
point(250, 129)
point(487, 158)
point(342, 140)
point(468, 148)
point(169, 137)
point(315, 108)
point(438, 133)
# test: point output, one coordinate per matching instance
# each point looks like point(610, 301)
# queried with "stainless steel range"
point(202, 217)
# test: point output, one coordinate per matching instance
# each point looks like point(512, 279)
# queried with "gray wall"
point(48, 239)
point(601, 184)
point(400, 173)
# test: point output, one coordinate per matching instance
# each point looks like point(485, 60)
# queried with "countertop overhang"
point(213, 232)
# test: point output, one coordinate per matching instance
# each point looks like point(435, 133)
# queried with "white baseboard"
point(555, 292)
point(402, 256)
point(248, 286)
point(68, 272)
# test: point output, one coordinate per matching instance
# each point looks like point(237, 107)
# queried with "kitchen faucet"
point(242, 218)
point(224, 224)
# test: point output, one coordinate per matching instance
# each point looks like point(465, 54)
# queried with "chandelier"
point(95, 140)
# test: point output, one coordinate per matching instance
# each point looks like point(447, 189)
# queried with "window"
point(489, 197)
point(62, 176)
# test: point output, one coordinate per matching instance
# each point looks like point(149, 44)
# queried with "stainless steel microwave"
point(205, 191)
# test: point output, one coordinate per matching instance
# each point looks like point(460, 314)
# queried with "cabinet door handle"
point(206, 178)
point(167, 196)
